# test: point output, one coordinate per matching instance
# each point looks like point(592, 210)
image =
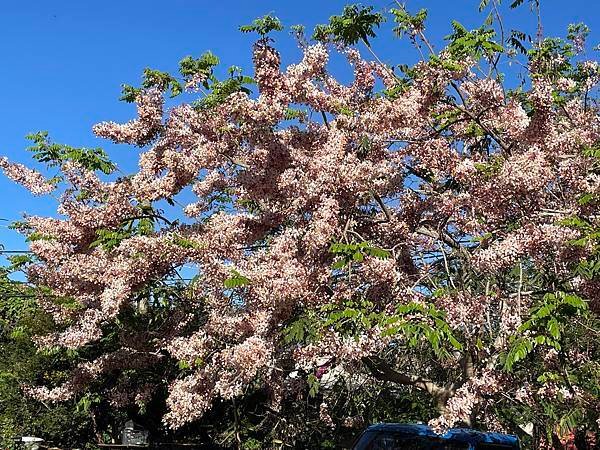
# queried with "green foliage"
point(590, 235)
point(356, 23)
point(305, 329)
point(19, 262)
point(566, 375)
point(292, 114)
point(313, 385)
point(552, 57)
point(299, 32)
point(186, 243)
point(321, 33)
point(221, 90)
point(129, 93)
point(412, 324)
point(491, 168)
point(263, 25)
point(21, 363)
point(416, 322)
point(252, 444)
point(407, 23)
point(161, 80)
point(517, 41)
point(351, 317)
point(545, 325)
point(110, 239)
point(236, 280)
point(53, 154)
point(577, 32)
point(589, 269)
point(592, 152)
point(355, 252)
point(398, 89)
point(87, 401)
point(191, 67)
point(516, 3)
point(475, 43)
point(447, 118)
point(569, 421)
point(152, 78)
point(141, 225)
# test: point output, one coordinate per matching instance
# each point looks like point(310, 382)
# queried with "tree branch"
point(383, 207)
point(382, 371)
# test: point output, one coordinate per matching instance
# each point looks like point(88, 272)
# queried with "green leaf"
point(201, 67)
point(313, 385)
point(161, 80)
point(358, 257)
point(236, 280)
point(291, 114)
point(520, 349)
point(55, 155)
point(474, 43)
point(586, 199)
point(340, 264)
point(263, 25)
point(575, 301)
point(356, 23)
point(129, 93)
point(187, 243)
point(221, 90)
point(454, 342)
point(407, 23)
point(378, 252)
point(183, 365)
point(553, 328)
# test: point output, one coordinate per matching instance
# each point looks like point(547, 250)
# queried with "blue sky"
point(64, 61)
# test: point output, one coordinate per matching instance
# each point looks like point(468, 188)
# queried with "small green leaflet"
point(236, 280)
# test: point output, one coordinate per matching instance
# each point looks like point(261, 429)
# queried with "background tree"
point(21, 363)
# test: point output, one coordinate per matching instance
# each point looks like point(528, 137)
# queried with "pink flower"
point(30, 179)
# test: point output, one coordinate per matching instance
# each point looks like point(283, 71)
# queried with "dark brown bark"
point(381, 370)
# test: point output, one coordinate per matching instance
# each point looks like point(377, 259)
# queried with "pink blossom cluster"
point(460, 408)
point(465, 312)
point(30, 179)
point(139, 131)
point(531, 240)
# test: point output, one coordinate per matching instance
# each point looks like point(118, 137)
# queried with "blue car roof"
point(458, 434)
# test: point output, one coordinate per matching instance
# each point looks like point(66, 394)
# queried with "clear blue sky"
point(63, 61)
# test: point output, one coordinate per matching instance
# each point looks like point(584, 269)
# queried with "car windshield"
point(397, 441)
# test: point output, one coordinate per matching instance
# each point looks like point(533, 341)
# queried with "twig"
point(383, 207)
point(325, 121)
point(447, 266)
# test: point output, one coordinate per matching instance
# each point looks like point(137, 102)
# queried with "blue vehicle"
point(395, 436)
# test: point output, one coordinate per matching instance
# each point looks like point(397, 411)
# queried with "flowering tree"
point(429, 227)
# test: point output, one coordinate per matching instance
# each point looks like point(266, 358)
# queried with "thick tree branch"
point(382, 371)
point(440, 236)
point(383, 207)
point(466, 362)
